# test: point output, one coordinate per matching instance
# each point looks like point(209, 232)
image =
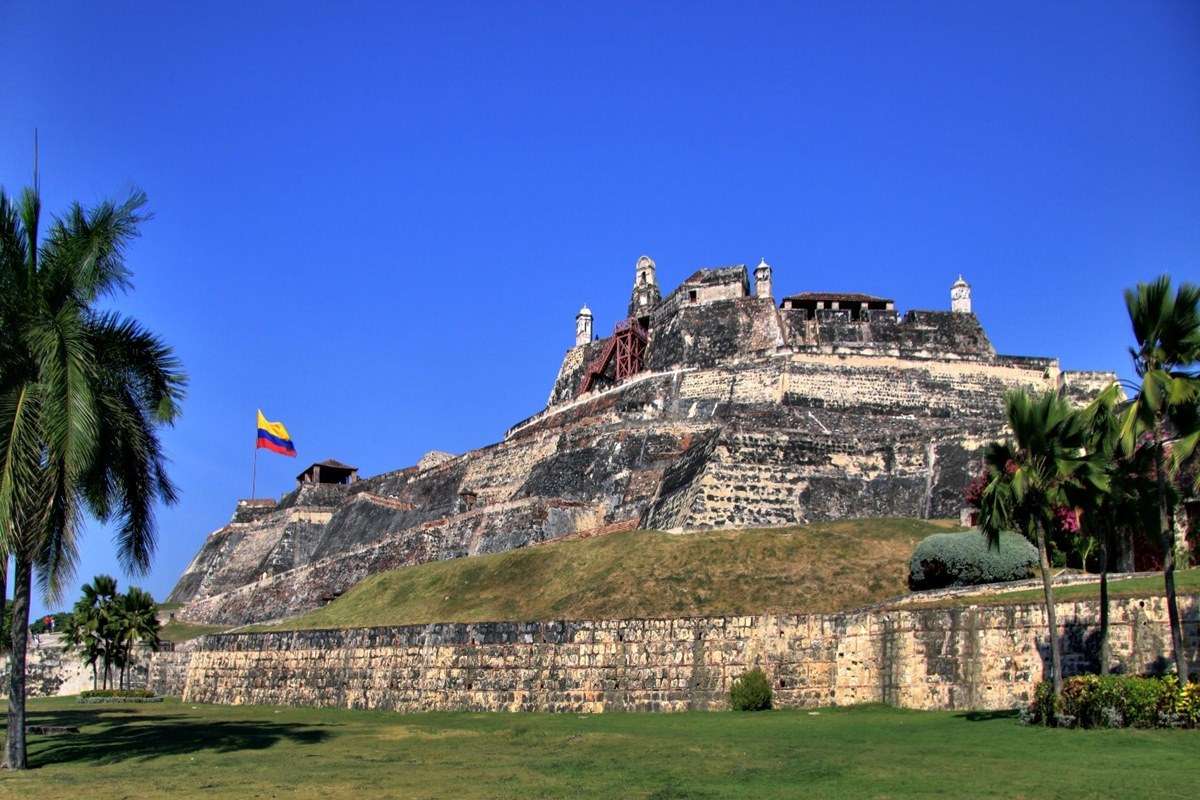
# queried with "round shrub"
point(751, 692)
point(964, 559)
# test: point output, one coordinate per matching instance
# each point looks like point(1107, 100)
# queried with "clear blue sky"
point(377, 221)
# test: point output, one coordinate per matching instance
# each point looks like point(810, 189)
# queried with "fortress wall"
point(977, 657)
point(53, 670)
point(496, 472)
point(897, 385)
point(167, 672)
point(230, 557)
point(757, 479)
point(491, 529)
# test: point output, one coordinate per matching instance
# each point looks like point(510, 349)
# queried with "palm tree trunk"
point(1051, 618)
point(1105, 649)
point(15, 757)
point(1125, 551)
point(3, 584)
point(1167, 527)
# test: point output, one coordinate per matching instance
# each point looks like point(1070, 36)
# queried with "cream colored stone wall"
point(976, 657)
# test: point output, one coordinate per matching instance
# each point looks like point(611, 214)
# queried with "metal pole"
point(254, 469)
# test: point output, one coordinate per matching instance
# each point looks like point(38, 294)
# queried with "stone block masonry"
point(52, 669)
point(976, 657)
point(739, 414)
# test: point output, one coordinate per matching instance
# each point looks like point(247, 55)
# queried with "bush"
point(115, 693)
point(1118, 701)
point(751, 692)
point(964, 559)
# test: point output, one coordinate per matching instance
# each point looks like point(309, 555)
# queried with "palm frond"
point(84, 253)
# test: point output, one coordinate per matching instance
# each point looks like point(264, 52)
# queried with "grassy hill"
point(822, 567)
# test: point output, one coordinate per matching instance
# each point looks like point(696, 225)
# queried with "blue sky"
point(377, 220)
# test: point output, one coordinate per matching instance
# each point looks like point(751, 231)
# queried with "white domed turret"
point(762, 279)
point(960, 296)
point(583, 326)
point(646, 294)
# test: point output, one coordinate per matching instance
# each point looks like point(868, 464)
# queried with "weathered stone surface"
point(51, 669)
point(976, 657)
point(745, 415)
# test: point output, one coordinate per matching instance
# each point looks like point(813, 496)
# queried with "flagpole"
point(254, 469)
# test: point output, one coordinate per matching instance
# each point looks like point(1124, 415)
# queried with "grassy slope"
point(1187, 581)
point(182, 631)
point(821, 567)
point(187, 751)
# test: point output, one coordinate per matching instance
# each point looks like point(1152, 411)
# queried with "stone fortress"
point(712, 407)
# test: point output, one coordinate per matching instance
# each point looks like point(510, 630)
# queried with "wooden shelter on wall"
point(328, 471)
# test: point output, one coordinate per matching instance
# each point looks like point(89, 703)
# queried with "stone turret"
point(583, 326)
point(960, 296)
point(762, 279)
point(646, 294)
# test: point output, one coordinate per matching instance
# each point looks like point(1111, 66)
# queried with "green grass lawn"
point(1187, 581)
point(821, 567)
point(182, 751)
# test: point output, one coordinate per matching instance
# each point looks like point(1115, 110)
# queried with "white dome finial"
point(960, 296)
point(583, 326)
point(762, 279)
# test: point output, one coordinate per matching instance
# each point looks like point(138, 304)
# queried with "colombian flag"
point(273, 436)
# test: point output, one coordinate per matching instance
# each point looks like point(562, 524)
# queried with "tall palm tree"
point(82, 635)
point(137, 616)
point(3, 591)
point(1110, 512)
point(1166, 327)
point(82, 395)
point(98, 606)
point(1028, 479)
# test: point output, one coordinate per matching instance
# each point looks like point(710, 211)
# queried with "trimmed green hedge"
point(751, 692)
point(118, 700)
point(964, 559)
point(1117, 701)
point(120, 693)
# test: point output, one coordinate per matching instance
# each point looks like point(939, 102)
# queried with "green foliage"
point(1166, 327)
point(116, 693)
point(1036, 472)
point(105, 626)
point(40, 625)
point(751, 692)
point(1118, 701)
point(84, 392)
point(966, 559)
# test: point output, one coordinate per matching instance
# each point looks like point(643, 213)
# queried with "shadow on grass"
point(988, 716)
point(127, 735)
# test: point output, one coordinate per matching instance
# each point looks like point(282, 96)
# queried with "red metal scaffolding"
point(627, 346)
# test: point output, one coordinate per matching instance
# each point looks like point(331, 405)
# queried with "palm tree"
point(99, 607)
point(81, 634)
point(1028, 479)
point(1110, 512)
point(3, 591)
point(82, 395)
point(137, 616)
point(1166, 327)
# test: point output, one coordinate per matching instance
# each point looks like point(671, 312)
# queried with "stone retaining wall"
point(52, 670)
point(976, 657)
